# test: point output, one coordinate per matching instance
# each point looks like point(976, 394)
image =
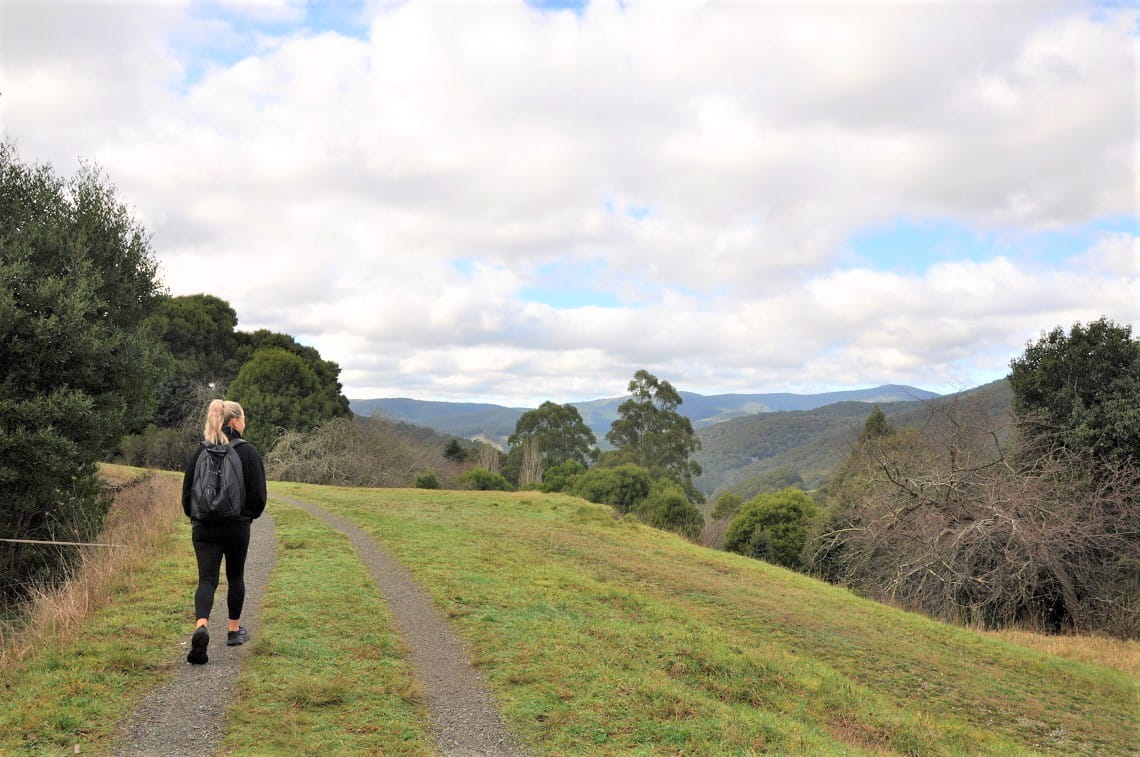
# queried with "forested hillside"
point(738, 454)
point(496, 422)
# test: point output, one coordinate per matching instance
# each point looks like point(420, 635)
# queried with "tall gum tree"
point(657, 437)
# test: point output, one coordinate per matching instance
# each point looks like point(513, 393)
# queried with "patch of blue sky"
point(578, 6)
point(566, 285)
point(631, 210)
point(239, 30)
point(908, 246)
point(464, 266)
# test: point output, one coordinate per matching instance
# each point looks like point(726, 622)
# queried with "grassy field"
point(327, 674)
point(87, 654)
point(600, 636)
point(604, 635)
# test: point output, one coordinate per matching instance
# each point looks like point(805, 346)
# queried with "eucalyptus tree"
point(650, 429)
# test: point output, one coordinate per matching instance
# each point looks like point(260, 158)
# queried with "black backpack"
point(217, 493)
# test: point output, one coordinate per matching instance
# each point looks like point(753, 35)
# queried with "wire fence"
point(60, 543)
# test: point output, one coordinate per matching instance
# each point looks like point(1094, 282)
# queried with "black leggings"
point(212, 542)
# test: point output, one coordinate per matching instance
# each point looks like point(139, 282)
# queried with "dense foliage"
point(657, 437)
point(773, 527)
point(622, 486)
point(286, 386)
point(1081, 391)
point(545, 437)
point(77, 279)
point(481, 479)
point(666, 507)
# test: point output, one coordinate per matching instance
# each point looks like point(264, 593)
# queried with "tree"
point(454, 452)
point(199, 332)
point(773, 527)
point(333, 403)
point(77, 279)
point(958, 521)
point(659, 438)
point(1081, 391)
point(279, 392)
point(556, 433)
point(876, 425)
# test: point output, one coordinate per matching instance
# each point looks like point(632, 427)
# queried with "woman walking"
point(221, 495)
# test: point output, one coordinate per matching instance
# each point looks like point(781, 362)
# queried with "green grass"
point(602, 635)
point(74, 690)
point(327, 673)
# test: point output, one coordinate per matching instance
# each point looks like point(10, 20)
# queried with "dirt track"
point(186, 716)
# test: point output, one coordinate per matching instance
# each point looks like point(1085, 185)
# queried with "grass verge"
point(85, 654)
point(604, 636)
point(327, 674)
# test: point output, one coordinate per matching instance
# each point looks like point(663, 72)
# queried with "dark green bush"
point(481, 479)
point(727, 505)
point(773, 527)
point(623, 487)
point(668, 508)
point(561, 477)
point(427, 481)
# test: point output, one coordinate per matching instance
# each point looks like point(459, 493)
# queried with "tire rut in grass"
point(187, 715)
point(465, 714)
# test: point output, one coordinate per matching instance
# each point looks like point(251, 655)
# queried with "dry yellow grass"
point(138, 519)
point(1118, 654)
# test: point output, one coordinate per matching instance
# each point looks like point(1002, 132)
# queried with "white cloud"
point(705, 164)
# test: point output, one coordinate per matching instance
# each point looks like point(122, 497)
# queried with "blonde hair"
point(219, 414)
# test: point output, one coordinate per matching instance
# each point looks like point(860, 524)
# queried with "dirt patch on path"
point(465, 714)
point(187, 715)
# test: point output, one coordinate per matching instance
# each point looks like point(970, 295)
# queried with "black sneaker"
point(234, 638)
point(198, 643)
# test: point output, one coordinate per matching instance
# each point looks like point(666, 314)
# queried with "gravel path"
point(187, 715)
point(465, 715)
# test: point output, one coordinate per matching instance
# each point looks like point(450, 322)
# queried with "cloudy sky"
point(513, 202)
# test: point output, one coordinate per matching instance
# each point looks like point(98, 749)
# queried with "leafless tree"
point(531, 470)
point(958, 520)
point(489, 457)
point(356, 452)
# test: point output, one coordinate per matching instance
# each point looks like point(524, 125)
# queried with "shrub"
point(561, 477)
point(482, 479)
point(366, 452)
point(773, 527)
point(427, 481)
point(623, 487)
point(668, 508)
point(727, 505)
point(164, 448)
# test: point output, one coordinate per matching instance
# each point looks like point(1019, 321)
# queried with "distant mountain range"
point(747, 455)
point(494, 423)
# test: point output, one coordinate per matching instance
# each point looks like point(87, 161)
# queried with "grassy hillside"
point(814, 443)
point(599, 635)
point(604, 635)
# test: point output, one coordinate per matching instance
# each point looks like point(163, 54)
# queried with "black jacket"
point(252, 471)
